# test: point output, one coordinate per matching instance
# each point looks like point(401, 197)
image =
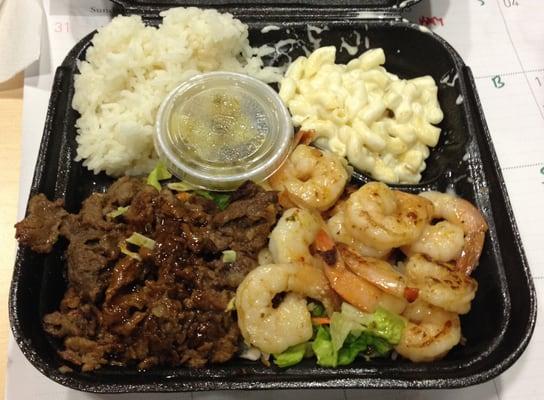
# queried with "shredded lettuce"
point(229, 256)
point(340, 327)
point(377, 347)
point(116, 213)
point(140, 240)
point(316, 309)
point(221, 199)
point(351, 333)
point(159, 173)
point(353, 345)
point(366, 344)
point(381, 323)
point(293, 355)
point(323, 348)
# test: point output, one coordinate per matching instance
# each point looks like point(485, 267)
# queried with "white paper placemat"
point(501, 40)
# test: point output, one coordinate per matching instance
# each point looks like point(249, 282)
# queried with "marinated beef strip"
point(40, 230)
point(165, 306)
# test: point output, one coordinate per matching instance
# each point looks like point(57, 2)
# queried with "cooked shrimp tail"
point(310, 178)
point(378, 272)
point(441, 284)
point(442, 242)
point(384, 218)
point(352, 288)
point(304, 137)
point(336, 225)
point(474, 243)
point(273, 328)
point(292, 236)
point(430, 332)
point(462, 213)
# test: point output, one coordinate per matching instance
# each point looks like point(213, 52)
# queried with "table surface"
point(11, 101)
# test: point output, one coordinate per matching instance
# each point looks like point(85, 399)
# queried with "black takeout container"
point(503, 314)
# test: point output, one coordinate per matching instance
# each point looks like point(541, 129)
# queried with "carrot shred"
point(321, 320)
point(323, 241)
point(183, 196)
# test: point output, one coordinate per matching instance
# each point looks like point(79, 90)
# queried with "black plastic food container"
point(503, 313)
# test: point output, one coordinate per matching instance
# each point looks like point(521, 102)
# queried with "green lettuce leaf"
point(221, 199)
point(316, 309)
point(368, 345)
point(352, 332)
point(341, 326)
point(323, 348)
point(377, 346)
point(293, 355)
point(353, 345)
point(381, 323)
point(159, 173)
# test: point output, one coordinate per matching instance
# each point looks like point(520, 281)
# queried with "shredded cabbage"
point(140, 240)
point(381, 323)
point(229, 256)
point(351, 333)
point(116, 213)
point(221, 199)
point(180, 187)
point(159, 173)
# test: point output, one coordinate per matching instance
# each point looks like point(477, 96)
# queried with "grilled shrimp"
point(430, 332)
point(441, 284)
point(311, 178)
point(462, 213)
point(378, 272)
point(442, 242)
point(337, 227)
point(274, 329)
point(384, 218)
point(355, 290)
point(292, 236)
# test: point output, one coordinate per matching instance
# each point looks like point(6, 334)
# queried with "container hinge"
point(376, 15)
point(151, 12)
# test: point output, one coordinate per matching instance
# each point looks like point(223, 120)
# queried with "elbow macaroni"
point(383, 125)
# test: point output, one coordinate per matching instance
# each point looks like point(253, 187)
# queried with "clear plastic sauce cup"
point(219, 129)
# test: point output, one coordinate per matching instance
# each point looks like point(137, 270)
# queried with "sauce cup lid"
point(219, 129)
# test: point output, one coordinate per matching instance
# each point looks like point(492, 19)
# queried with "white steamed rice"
point(131, 67)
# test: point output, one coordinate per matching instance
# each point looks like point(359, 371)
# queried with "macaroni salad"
point(382, 124)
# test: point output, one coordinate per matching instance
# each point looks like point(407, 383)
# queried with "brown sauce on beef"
point(168, 308)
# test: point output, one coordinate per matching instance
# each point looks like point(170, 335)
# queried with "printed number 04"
point(510, 3)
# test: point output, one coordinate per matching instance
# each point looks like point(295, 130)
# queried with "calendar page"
point(501, 40)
